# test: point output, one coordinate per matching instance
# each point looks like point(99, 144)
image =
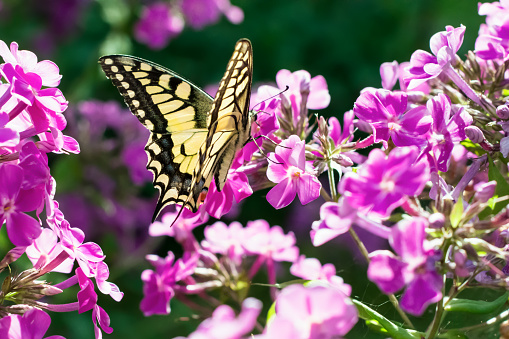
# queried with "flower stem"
point(332, 183)
point(392, 298)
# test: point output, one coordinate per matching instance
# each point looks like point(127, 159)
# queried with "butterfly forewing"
point(193, 137)
point(174, 110)
point(230, 124)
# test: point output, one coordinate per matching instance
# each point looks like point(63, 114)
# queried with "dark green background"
point(345, 41)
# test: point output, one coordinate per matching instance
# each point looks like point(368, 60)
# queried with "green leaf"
point(476, 306)
point(377, 321)
point(272, 312)
point(457, 213)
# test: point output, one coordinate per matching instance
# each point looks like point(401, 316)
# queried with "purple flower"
point(391, 72)
point(287, 168)
point(444, 45)
point(106, 287)
point(182, 229)
point(201, 13)
point(335, 219)
point(383, 182)
point(414, 267)
point(159, 286)
point(87, 298)
point(46, 248)
point(311, 313)
point(298, 83)
point(311, 269)
point(33, 324)
point(389, 117)
point(157, 25)
point(224, 324)
point(493, 40)
point(218, 203)
point(226, 240)
point(21, 228)
point(46, 70)
point(445, 130)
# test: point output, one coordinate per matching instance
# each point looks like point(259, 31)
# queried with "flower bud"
point(485, 191)
point(474, 134)
point(436, 220)
point(503, 112)
point(342, 160)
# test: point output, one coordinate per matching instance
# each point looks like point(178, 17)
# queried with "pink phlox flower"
point(87, 298)
point(444, 46)
point(335, 219)
point(298, 83)
point(99, 316)
point(218, 203)
point(226, 240)
point(201, 13)
point(391, 72)
point(383, 182)
point(103, 273)
point(287, 168)
point(493, 40)
point(33, 324)
point(9, 137)
point(157, 25)
point(270, 243)
point(414, 267)
point(35, 166)
point(22, 229)
point(341, 135)
point(312, 269)
point(311, 313)
point(46, 248)
point(224, 324)
point(159, 286)
point(47, 70)
point(87, 254)
point(446, 130)
point(181, 229)
point(388, 114)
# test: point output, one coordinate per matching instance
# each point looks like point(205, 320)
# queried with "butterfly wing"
point(229, 126)
point(175, 111)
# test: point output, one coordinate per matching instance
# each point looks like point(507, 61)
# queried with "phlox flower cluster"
point(422, 166)
point(162, 21)
point(31, 126)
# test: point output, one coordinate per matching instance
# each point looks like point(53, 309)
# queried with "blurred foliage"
point(343, 40)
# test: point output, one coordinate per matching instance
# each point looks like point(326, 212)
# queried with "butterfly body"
point(194, 137)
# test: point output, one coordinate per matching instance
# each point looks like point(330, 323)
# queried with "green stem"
point(392, 298)
point(437, 319)
point(332, 183)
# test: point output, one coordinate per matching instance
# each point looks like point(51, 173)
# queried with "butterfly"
point(194, 137)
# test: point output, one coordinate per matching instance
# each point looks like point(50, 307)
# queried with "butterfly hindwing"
point(193, 138)
point(174, 110)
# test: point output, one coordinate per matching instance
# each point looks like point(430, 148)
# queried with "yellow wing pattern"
point(193, 137)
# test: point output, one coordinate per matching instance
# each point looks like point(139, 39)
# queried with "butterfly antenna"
point(275, 95)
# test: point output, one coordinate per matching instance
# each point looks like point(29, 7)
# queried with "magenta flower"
point(446, 130)
point(87, 254)
point(201, 13)
point(106, 287)
point(14, 201)
point(226, 240)
point(157, 25)
point(335, 219)
point(236, 187)
point(224, 324)
point(391, 72)
point(388, 115)
point(45, 249)
point(287, 168)
point(383, 182)
point(311, 269)
point(8, 137)
point(33, 324)
point(414, 267)
point(87, 298)
point(182, 229)
point(46, 70)
point(444, 45)
point(159, 286)
point(493, 40)
point(311, 313)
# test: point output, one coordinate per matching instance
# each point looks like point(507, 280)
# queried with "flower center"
point(387, 185)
